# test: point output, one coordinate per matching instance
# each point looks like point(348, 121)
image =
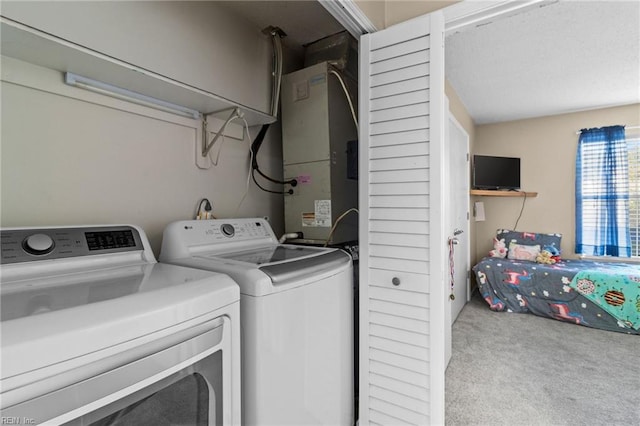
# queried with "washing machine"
point(95, 331)
point(296, 315)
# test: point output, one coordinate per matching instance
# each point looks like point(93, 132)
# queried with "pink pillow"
point(522, 252)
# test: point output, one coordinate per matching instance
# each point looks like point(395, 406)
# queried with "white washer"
point(94, 330)
point(296, 314)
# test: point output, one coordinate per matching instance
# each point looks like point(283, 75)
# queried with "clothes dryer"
point(296, 314)
point(94, 331)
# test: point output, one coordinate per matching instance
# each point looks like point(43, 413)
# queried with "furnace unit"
point(320, 152)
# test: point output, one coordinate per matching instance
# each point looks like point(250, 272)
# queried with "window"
point(633, 147)
point(608, 193)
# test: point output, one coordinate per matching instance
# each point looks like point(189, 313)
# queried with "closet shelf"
point(493, 193)
point(39, 48)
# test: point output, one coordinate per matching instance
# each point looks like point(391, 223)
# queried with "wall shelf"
point(493, 193)
point(39, 48)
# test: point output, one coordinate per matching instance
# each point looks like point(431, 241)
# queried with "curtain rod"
point(626, 127)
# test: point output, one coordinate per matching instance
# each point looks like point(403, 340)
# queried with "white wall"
point(70, 156)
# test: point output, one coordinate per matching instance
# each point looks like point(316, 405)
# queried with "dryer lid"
point(272, 254)
point(282, 263)
point(46, 321)
point(286, 272)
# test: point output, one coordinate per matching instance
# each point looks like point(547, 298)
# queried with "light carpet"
point(520, 369)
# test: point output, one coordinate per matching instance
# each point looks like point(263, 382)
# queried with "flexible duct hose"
point(277, 71)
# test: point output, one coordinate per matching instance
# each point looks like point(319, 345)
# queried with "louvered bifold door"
point(401, 263)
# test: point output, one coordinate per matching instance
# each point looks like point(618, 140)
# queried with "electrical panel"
point(320, 151)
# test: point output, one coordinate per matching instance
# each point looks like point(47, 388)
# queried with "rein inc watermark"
point(5, 420)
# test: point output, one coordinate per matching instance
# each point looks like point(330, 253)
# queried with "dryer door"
point(184, 379)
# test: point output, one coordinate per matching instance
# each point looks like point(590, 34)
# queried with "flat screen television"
point(501, 173)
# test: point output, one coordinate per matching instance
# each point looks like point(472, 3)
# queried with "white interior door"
point(403, 241)
point(459, 170)
point(457, 207)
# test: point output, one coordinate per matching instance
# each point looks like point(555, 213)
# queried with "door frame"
point(452, 18)
point(421, 334)
point(449, 224)
point(456, 16)
point(460, 127)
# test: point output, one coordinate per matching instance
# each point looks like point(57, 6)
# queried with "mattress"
point(604, 295)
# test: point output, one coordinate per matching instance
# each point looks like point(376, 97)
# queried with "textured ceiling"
point(555, 58)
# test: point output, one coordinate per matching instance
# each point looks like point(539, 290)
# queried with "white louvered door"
point(402, 242)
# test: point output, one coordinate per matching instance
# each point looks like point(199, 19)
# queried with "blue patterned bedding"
point(602, 295)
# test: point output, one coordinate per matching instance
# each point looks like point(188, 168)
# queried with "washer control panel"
point(223, 231)
point(228, 230)
point(28, 245)
point(38, 244)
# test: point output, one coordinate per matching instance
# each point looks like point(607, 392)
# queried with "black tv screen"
point(496, 172)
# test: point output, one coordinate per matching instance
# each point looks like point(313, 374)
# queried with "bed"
point(604, 295)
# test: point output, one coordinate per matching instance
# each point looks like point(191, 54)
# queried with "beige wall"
point(401, 10)
point(375, 11)
point(547, 148)
point(70, 156)
point(196, 42)
point(389, 12)
point(459, 111)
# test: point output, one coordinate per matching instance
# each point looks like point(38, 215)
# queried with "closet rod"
point(626, 127)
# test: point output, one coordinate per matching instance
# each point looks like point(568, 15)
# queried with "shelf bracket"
point(235, 113)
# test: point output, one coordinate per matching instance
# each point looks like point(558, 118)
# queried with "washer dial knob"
point(228, 230)
point(38, 244)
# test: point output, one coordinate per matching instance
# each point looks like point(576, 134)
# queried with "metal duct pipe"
point(276, 36)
